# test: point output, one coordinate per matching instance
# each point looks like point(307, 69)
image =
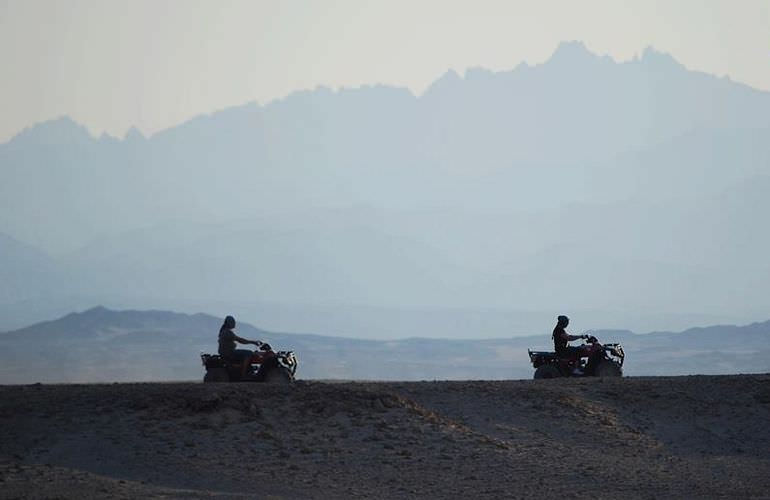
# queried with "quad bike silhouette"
point(266, 366)
point(593, 360)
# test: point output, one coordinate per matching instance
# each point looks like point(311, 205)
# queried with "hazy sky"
point(153, 64)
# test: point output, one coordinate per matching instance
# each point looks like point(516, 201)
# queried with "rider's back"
point(226, 341)
point(559, 339)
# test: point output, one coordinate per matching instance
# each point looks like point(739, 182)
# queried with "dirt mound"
point(661, 437)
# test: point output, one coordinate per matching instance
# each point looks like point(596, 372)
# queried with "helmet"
point(230, 322)
point(563, 320)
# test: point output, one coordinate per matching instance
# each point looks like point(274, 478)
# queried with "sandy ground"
point(677, 437)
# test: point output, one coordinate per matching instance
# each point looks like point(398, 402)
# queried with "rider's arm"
point(569, 337)
point(247, 341)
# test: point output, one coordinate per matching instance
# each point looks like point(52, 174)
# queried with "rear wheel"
point(216, 375)
point(608, 368)
point(547, 371)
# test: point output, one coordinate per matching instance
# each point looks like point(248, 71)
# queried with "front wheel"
point(608, 368)
point(216, 375)
point(547, 371)
point(279, 375)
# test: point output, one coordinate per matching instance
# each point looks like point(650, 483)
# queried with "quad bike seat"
point(214, 360)
point(549, 356)
point(543, 354)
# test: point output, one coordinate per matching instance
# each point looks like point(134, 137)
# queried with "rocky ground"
point(677, 437)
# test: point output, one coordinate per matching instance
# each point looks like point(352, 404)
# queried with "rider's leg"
point(576, 353)
point(245, 367)
point(242, 357)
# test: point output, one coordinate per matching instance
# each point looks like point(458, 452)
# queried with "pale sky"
point(154, 64)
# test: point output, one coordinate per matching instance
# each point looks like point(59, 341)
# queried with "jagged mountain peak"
point(575, 55)
point(58, 131)
point(652, 56)
point(133, 134)
point(445, 83)
point(571, 49)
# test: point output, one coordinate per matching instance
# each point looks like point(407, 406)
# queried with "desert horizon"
point(384, 249)
point(105, 345)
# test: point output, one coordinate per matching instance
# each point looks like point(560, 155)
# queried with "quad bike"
point(594, 360)
point(266, 366)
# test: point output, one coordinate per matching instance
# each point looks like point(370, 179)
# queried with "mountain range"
point(103, 345)
point(631, 192)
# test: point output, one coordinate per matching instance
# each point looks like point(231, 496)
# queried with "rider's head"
point(230, 322)
point(563, 321)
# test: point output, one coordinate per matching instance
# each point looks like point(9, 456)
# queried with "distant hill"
point(627, 189)
point(102, 345)
point(495, 140)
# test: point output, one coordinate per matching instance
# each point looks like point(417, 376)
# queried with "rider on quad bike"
point(560, 339)
point(227, 340)
point(241, 365)
point(591, 359)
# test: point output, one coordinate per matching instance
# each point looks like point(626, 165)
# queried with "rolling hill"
point(102, 345)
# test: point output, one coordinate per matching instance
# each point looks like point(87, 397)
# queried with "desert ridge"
point(663, 437)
